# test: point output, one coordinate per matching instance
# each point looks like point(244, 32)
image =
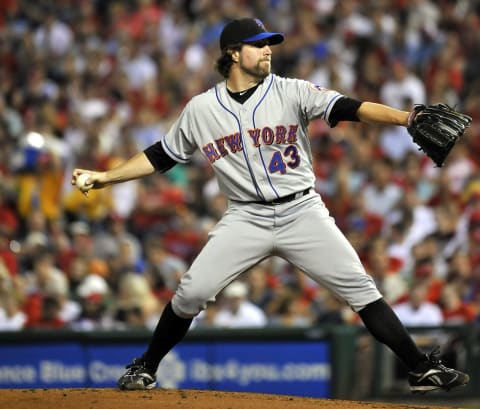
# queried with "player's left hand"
point(436, 129)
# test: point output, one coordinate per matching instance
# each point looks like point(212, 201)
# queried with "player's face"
point(255, 59)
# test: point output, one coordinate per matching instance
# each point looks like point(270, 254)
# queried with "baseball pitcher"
point(252, 128)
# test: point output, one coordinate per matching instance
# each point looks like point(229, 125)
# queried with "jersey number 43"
point(280, 160)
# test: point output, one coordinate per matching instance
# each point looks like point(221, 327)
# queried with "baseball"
point(82, 182)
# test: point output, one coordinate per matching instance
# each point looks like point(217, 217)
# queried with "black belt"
point(284, 199)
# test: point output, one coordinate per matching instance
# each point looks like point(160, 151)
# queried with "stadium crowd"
point(88, 83)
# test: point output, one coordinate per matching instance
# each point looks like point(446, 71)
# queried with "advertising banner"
point(292, 368)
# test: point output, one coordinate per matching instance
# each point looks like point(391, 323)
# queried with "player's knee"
point(189, 304)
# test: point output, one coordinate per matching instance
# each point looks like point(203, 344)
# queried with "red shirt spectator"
point(454, 309)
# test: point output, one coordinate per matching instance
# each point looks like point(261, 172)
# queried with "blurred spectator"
point(47, 316)
point(121, 263)
point(385, 271)
point(157, 202)
point(460, 273)
point(44, 275)
point(206, 318)
point(9, 220)
point(411, 225)
point(82, 240)
point(448, 219)
point(7, 256)
point(260, 285)
point(283, 295)
point(53, 36)
point(402, 86)
point(473, 295)
point(95, 207)
point(162, 269)
point(45, 286)
point(137, 64)
point(184, 237)
point(12, 317)
point(455, 311)
point(61, 244)
point(136, 304)
point(113, 236)
point(461, 168)
point(236, 311)
point(417, 310)
point(416, 179)
point(78, 269)
point(296, 313)
point(424, 274)
point(33, 244)
point(57, 292)
point(381, 194)
point(328, 309)
point(93, 293)
point(11, 119)
point(472, 234)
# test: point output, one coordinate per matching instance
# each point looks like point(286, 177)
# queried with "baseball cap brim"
point(273, 38)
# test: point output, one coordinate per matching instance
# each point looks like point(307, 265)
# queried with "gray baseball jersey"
point(260, 151)
point(254, 146)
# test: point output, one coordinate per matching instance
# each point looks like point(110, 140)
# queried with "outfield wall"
point(325, 362)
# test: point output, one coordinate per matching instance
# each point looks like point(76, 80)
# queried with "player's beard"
point(259, 71)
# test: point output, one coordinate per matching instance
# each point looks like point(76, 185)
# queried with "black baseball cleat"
point(431, 374)
point(137, 377)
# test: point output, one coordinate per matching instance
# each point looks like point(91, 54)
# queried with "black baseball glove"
point(436, 129)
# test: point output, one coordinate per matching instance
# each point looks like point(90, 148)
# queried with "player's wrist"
point(410, 117)
point(413, 113)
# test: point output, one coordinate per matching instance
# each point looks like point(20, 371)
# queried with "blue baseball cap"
point(247, 30)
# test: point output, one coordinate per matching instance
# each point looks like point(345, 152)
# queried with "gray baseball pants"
point(301, 231)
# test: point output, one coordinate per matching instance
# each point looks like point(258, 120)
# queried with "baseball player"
point(252, 128)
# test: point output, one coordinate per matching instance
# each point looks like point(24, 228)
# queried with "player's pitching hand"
point(85, 180)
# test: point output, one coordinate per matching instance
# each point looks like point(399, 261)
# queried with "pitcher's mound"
point(173, 399)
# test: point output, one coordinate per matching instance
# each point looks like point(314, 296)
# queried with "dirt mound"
point(173, 399)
